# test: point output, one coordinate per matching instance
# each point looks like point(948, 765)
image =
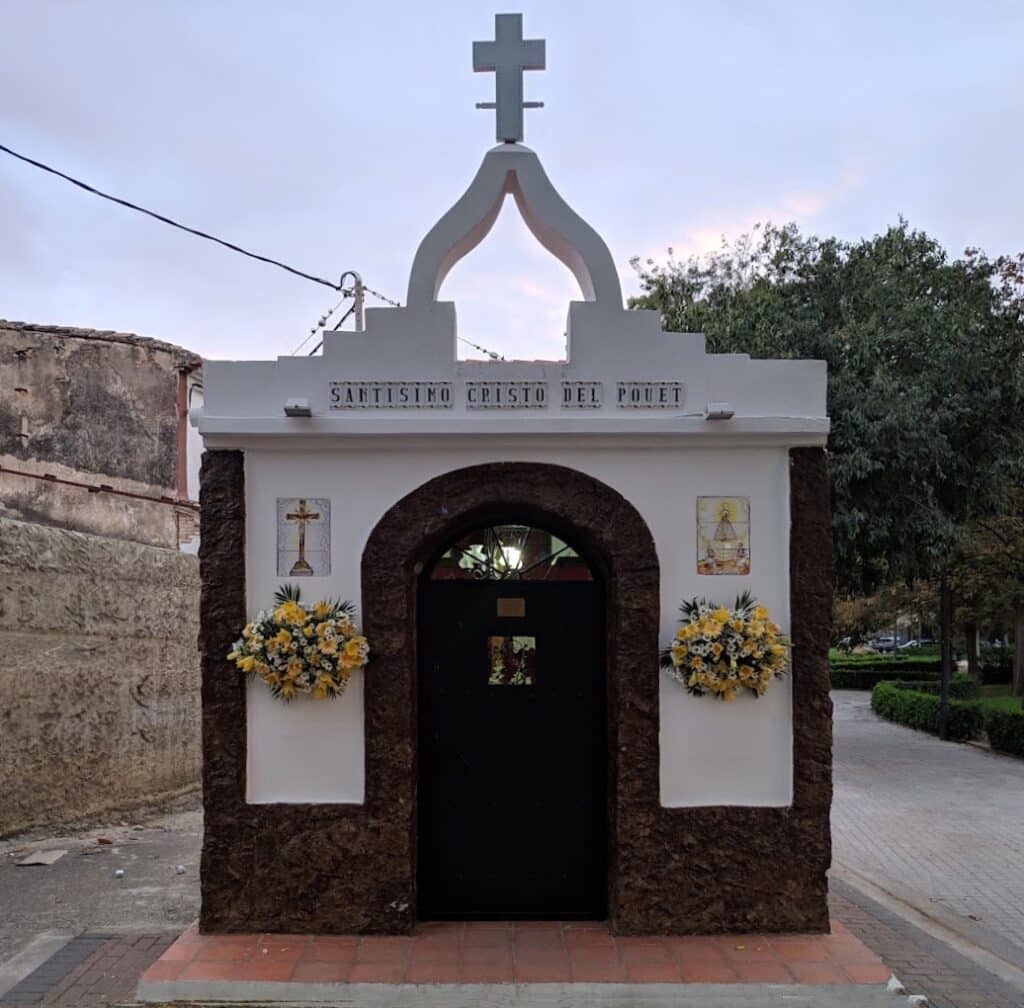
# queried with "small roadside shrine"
point(535, 733)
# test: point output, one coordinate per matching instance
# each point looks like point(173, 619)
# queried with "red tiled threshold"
point(519, 953)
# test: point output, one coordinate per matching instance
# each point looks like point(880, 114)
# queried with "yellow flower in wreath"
point(711, 629)
point(291, 612)
point(281, 639)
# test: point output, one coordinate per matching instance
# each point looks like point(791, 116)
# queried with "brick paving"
point(524, 952)
point(939, 823)
point(110, 973)
point(924, 964)
point(106, 974)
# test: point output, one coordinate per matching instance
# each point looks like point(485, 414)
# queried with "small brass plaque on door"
point(511, 607)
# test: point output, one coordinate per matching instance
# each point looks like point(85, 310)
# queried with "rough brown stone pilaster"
point(284, 868)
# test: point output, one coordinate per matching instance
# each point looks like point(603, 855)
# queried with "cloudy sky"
point(332, 135)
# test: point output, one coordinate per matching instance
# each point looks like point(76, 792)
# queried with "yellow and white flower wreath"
point(299, 647)
point(724, 651)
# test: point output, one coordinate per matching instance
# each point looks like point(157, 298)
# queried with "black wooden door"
point(512, 751)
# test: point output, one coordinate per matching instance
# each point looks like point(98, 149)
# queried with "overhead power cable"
point(337, 325)
point(322, 321)
point(493, 355)
point(377, 294)
point(167, 220)
point(334, 328)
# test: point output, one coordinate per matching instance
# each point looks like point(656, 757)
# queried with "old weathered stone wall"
point(95, 407)
point(99, 683)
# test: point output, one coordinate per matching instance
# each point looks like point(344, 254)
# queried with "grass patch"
point(1006, 703)
point(1000, 698)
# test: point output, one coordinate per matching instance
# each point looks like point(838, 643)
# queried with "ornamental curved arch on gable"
point(511, 169)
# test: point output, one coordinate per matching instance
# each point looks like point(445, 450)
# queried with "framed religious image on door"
point(303, 536)
point(723, 535)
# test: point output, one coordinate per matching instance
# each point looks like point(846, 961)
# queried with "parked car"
point(883, 643)
point(915, 643)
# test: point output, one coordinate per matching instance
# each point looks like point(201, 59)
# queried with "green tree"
point(988, 574)
point(926, 376)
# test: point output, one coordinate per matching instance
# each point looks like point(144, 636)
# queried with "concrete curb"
point(539, 995)
point(31, 957)
point(984, 946)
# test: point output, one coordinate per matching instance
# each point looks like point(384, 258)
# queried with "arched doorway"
point(408, 539)
point(512, 729)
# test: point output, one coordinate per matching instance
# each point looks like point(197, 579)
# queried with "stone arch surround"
point(343, 868)
point(606, 529)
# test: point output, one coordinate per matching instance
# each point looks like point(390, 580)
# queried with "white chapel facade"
point(431, 481)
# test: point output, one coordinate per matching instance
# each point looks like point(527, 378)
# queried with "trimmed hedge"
point(867, 678)
point(961, 687)
point(996, 666)
point(907, 705)
point(887, 664)
point(1006, 730)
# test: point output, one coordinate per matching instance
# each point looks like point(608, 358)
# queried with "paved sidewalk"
point(924, 964)
point(91, 971)
point(938, 822)
point(82, 893)
point(938, 825)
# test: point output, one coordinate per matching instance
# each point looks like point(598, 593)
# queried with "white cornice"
point(791, 431)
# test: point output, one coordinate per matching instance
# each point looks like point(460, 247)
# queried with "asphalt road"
point(80, 892)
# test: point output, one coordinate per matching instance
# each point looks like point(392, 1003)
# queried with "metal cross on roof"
point(507, 57)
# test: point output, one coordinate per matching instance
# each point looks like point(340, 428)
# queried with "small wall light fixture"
point(718, 411)
point(297, 407)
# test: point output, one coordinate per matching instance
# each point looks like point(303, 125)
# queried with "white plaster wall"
point(193, 440)
point(711, 753)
